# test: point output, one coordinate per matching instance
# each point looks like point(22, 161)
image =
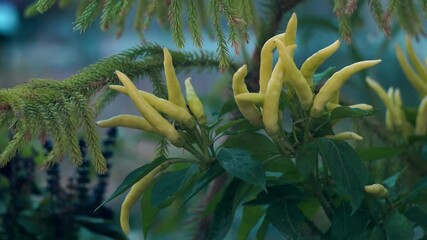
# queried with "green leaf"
point(398, 227)
point(322, 126)
point(411, 114)
point(417, 215)
point(348, 172)
point(168, 185)
point(261, 147)
point(263, 229)
point(133, 177)
point(213, 172)
point(224, 212)
point(420, 186)
point(285, 166)
point(286, 218)
point(306, 159)
point(148, 212)
point(239, 163)
point(345, 224)
point(417, 139)
point(101, 227)
point(227, 107)
point(374, 153)
point(229, 125)
point(318, 77)
point(347, 112)
point(377, 233)
point(251, 216)
point(275, 194)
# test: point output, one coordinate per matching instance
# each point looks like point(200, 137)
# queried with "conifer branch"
point(175, 18)
point(115, 12)
point(48, 108)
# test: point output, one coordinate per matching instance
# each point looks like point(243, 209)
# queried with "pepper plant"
point(271, 152)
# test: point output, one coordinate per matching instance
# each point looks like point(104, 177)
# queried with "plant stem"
point(321, 197)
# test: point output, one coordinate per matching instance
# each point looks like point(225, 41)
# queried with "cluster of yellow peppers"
point(417, 75)
point(262, 108)
point(151, 107)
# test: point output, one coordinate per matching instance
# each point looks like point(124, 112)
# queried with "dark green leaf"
point(398, 227)
point(306, 159)
point(228, 125)
point(347, 112)
point(240, 164)
point(261, 147)
point(148, 212)
point(251, 216)
point(227, 107)
point(322, 126)
point(101, 227)
point(417, 215)
point(133, 177)
point(420, 186)
point(168, 185)
point(318, 77)
point(224, 212)
point(345, 224)
point(361, 236)
point(377, 233)
point(348, 172)
point(276, 193)
point(417, 139)
point(411, 114)
point(213, 172)
point(309, 206)
point(240, 127)
point(286, 218)
point(263, 229)
point(283, 165)
point(374, 153)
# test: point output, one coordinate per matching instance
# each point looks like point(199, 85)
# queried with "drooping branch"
point(42, 108)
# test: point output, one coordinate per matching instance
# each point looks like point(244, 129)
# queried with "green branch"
point(42, 108)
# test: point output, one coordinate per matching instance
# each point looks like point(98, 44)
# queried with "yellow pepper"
point(362, 106)
point(150, 114)
point(266, 62)
point(380, 92)
point(335, 82)
point(295, 77)
point(270, 114)
point(310, 65)
point(127, 120)
point(421, 121)
point(396, 112)
point(172, 83)
point(167, 107)
point(254, 98)
point(135, 192)
point(422, 71)
point(345, 136)
point(194, 103)
point(248, 109)
point(377, 190)
point(419, 84)
point(291, 33)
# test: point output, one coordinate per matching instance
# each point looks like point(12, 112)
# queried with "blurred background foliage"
point(57, 43)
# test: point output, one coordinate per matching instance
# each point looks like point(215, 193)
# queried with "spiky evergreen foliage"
point(42, 108)
point(237, 14)
point(405, 12)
